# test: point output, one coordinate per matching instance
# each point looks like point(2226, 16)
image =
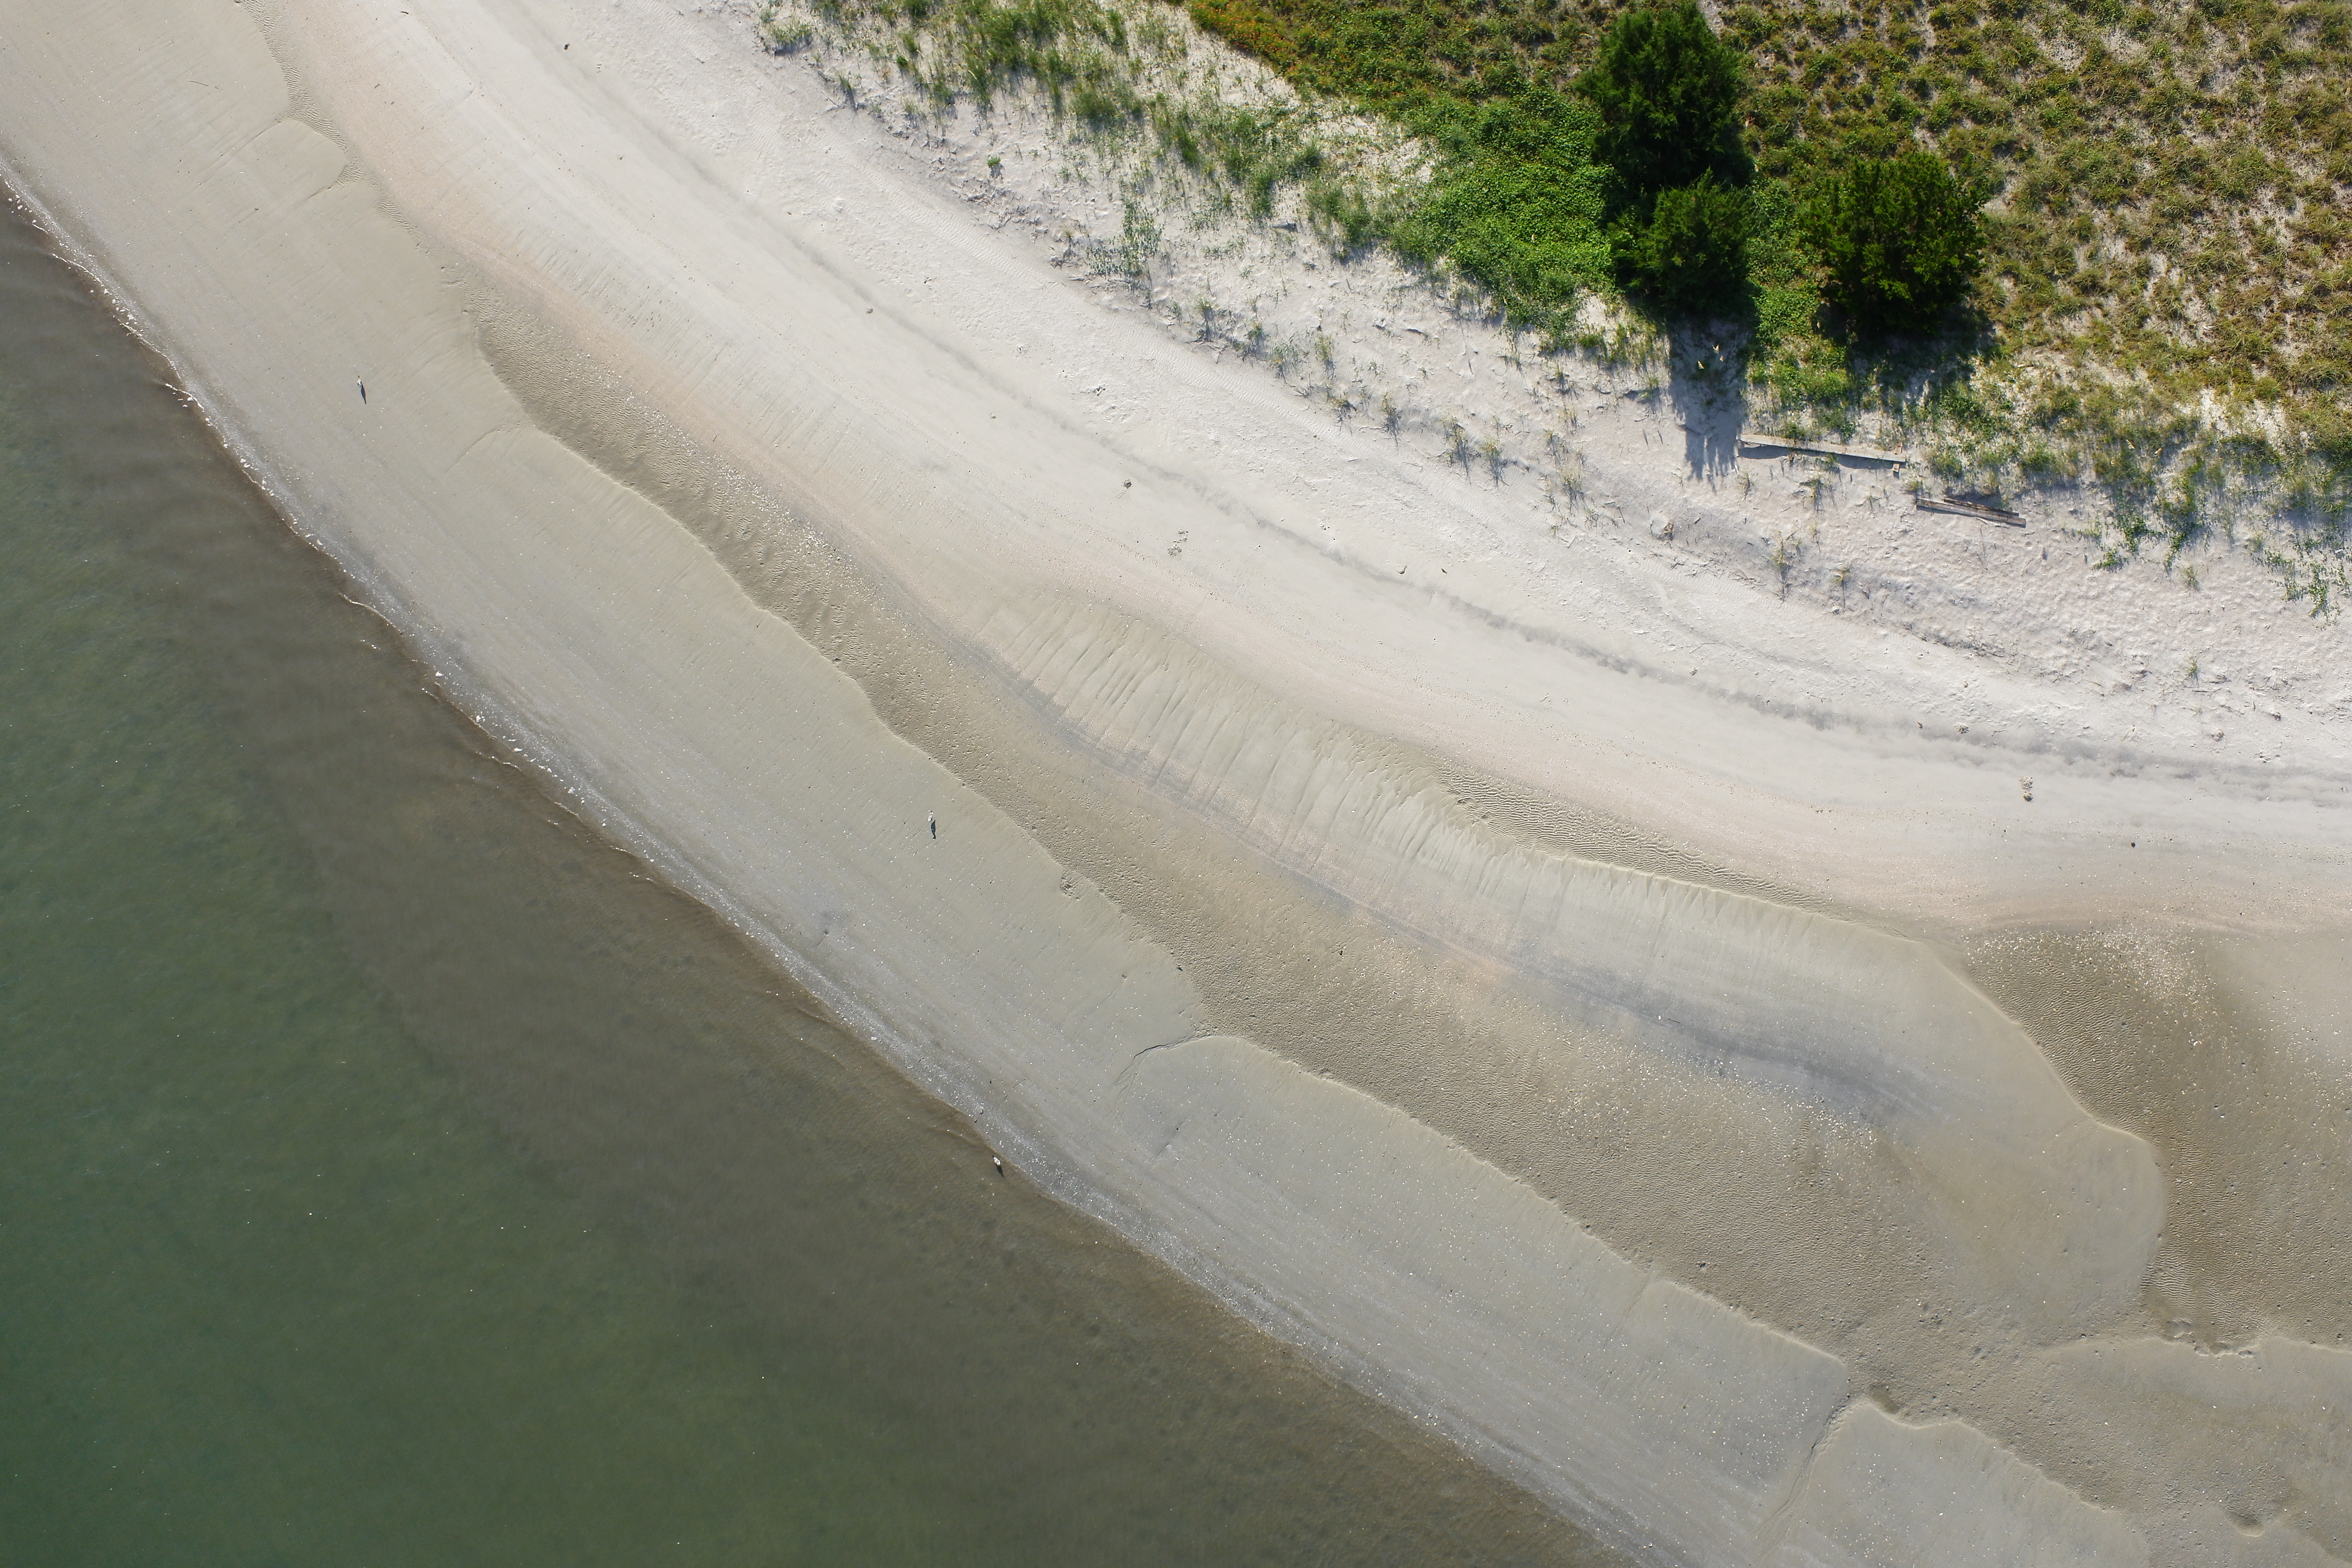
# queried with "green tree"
point(1901, 240)
point(1688, 253)
point(1668, 92)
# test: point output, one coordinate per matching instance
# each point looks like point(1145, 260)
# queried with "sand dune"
point(1528, 979)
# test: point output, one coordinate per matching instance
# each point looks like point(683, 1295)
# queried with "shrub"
point(1901, 240)
point(1689, 253)
point(1518, 206)
point(1668, 93)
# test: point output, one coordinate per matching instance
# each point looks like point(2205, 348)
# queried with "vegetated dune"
point(1292, 856)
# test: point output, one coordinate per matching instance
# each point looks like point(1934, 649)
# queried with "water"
point(390, 1173)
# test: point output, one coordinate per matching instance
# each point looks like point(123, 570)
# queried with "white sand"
point(1499, 962)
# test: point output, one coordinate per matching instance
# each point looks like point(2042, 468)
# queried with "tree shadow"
point(1907, 375)
point(1902, 371)
point(1923, 379)
point(1962, 327)
point(1706, 385)
point(1706, 377)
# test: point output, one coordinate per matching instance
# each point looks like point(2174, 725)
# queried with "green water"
point(389, 1172)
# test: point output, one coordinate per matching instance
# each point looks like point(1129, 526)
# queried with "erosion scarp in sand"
point(1584, 1002)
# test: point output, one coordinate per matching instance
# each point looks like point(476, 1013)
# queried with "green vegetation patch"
point(1520, 203)
point(2170, 229)
point(1520, 200)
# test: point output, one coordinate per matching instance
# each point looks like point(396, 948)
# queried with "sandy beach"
point(1784, 1088)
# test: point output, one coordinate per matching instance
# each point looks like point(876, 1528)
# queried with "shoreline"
point(998, 645)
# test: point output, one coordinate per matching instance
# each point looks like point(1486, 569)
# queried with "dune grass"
point(2169, 293)
point(1110, 75)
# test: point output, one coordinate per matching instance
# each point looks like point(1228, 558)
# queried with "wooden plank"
point(1969, 509)
point(1765, 445)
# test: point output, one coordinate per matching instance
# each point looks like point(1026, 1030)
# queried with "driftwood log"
point(1969, 509)
point(1767, 446)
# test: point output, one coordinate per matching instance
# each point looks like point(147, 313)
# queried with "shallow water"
point(390, 1173)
